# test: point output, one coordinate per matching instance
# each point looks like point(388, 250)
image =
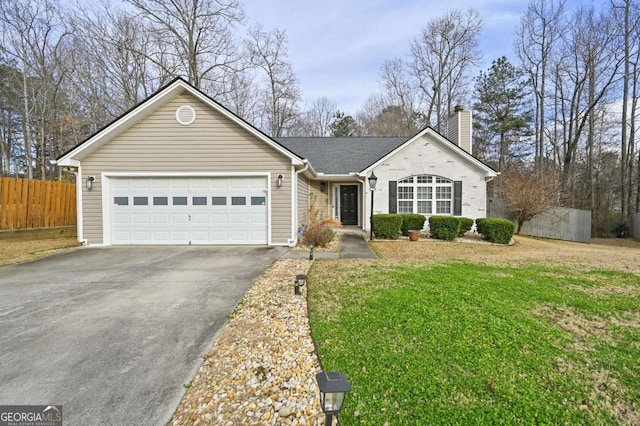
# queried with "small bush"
point(387, 226)
point(465, 225)
point(318, 230)
point(621, 230)
point(412, 221)
point(495, 230)
point(444, 227)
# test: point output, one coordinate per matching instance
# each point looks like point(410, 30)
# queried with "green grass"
point(471, 344)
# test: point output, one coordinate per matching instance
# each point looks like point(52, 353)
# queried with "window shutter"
point(457, 198)
point(393, 197)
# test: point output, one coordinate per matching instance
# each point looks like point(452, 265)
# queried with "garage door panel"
point(141, 219)
point(121, 218)
point(200, 218)
point(160, 218)
point(257, 218)
point(179, 218)
point(161, 236)
point(140, 183)
point(162, 210)
point(160, 183)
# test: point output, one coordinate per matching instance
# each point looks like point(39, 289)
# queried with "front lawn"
point(464, 343)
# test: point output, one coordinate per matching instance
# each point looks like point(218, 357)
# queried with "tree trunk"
point(625, 102)
point(26, 122)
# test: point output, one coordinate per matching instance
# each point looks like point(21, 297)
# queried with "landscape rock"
point(261, 369)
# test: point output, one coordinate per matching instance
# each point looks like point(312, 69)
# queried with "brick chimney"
point(459, 128)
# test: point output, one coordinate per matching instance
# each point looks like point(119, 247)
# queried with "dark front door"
point(349, 204)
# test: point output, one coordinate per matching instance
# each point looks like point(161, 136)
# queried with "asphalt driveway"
point(112, 334)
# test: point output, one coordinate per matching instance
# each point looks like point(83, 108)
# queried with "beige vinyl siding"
point(459, 129)
point(464, 132)
point(452, 129)
point(303, 200)
point(320, 198)
point(212, 144)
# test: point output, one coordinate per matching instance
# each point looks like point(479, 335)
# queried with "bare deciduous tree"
point(193, 38)
point(33, 35)
point(280, 92)
point(588, 68)
point(526, 194)
point(443, 56)
point(536, 38)
point(318, 118)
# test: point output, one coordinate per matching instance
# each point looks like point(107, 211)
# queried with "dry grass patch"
point(602, 254)
point(24, 251)
point(575, 324)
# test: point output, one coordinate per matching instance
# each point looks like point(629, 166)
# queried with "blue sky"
point(338, 46)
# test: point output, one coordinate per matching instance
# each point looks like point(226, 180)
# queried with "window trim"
point(409, 186)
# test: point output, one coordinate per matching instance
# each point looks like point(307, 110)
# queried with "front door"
point(349, 204)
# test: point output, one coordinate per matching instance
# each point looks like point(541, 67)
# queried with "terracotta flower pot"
point(414, 235)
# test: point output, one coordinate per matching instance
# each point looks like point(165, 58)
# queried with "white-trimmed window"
point(425, 194)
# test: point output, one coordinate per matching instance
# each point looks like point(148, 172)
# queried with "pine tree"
point(503, 117)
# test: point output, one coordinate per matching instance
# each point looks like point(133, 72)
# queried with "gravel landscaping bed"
point(261, 369)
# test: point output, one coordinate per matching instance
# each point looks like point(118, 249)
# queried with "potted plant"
point(413, 235)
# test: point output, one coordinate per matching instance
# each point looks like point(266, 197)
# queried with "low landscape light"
point(301, 280)
point(311, 246)
point(333, 386)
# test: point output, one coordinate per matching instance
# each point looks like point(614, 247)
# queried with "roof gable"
point(150, 105)
point(442, 141)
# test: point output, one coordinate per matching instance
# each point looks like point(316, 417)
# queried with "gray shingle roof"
point(341, 155)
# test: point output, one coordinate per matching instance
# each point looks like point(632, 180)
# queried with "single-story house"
point(181, 169)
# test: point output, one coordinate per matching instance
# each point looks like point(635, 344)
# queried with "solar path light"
point(301, 280)
point(311, 246)
point(333, 385)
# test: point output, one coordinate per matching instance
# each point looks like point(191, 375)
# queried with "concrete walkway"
point(352, 246)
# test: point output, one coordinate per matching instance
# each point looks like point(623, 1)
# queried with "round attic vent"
point(185, 115)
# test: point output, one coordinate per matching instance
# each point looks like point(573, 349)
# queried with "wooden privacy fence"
point(561, 224)
point(26, 204)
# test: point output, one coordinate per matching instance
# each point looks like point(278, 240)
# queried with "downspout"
point(294, 241)
point(79, 219)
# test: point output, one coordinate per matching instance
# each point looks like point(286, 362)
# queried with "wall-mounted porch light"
point(301, 280)
point(90, 181)
point(333, 385)
point(280, 179)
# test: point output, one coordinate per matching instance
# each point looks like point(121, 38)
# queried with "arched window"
point(425, 194)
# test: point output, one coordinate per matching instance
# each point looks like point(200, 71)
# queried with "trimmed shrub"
point(412, 221)
point(465, 225)
point(480, 225)
point(444, 227)
point(495, 230)
point(387, 226)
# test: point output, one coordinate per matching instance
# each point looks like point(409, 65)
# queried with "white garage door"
point(154, 210)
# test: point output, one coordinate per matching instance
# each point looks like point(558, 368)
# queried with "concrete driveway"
point(112, 334)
